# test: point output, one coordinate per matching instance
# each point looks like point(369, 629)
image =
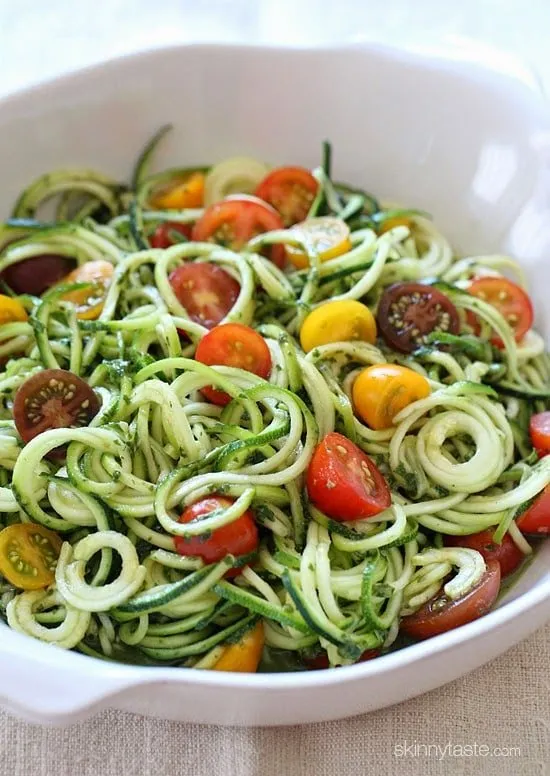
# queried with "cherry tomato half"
point(343, 482)
point(37, 274)
point(28, 555)
point(238, 538)
point(180, 193)
point(408, 312)
point(509, 299)
point(326, 236)
point(320, 662)
point(53, 398)
point(441, 614)
point(381, 391)
point(507, 553)
point(539, 429)
point(290, 190)
point(163, 236)
point(89, 301)
point(233, 344)
point(235, 221)
point(206, 291)
point(536, 518)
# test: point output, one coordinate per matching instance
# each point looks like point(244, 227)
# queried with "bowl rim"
point(487, 73)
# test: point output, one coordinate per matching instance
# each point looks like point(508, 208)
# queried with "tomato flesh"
point(233, 344)
point(539, 430)
point(536, 518)
point(37, 274)
point(509, 299)
point(408, 312)
point(164, 237)
point(343, 482)
point(206, 291)
point(28, 555)
point(291, 191)
point(53, 398)
point(507, 553)
point(441, 614)
point(238, 538)
point(235, 221)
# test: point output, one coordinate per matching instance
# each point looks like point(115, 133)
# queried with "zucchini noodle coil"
point(457, 458)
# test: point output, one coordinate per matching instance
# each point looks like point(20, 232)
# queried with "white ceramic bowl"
point(470, 145)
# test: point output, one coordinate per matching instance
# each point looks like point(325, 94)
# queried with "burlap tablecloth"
point(494, 722)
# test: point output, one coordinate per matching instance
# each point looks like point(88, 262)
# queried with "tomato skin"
point(539, 430)
point(420, 309)
point(161, 237)
point(236, 345)
point(515, 307)
point(37, 274)
point(343, 482)
point(18, 543)
point(238, 538)
point(291, 191)
point(89, 301)
point(507, 553)
point(343, 320)
point(536, 518)
point(235, 221)
point(11, 310)
point(320, 662)
point(381, 391)
point(206, 291)
point(440, 614)
point(245, 655)
point(41, 403)
point(180, 193)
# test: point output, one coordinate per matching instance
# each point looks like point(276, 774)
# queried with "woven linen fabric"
point(493, 722)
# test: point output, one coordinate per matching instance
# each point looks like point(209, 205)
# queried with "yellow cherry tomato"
point(28, 555)
point(89, 301)
point(391, 223)
point(381, 391)
point(326, 236)
point(181, 194)
point(11, 310)
point(344, 320)
point(245, 655)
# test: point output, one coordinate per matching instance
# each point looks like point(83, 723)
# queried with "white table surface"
point(505, 704)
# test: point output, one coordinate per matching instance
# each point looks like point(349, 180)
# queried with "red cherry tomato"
point(440, 614)
point(233, 344)
point(206, 291)
point(321, 661)
point(343, 482)
point(509, 299)
point(507, 553)
point(290, 190)
point(539, 429)
point(235, 221)
point(536, 518)
point(37, 274)
point(162, 237)
point(238, 538)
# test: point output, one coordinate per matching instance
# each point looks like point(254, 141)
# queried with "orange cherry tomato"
point(206, 291)
point(539, 430)
point(381, 391)
point(509, 299)
point(237, 538)
point(180, 194)
point(507, 553)
point(89, 301)
point(164, 237)
point(343, 482)
point(290, 190)
point(245, 655)
point(441, 614)
point(235, 221)
point(28, 555)
point(536, 518)
point(11, 310)
point(233, 344)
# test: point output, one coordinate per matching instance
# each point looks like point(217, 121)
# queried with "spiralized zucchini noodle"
point(458, 460)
